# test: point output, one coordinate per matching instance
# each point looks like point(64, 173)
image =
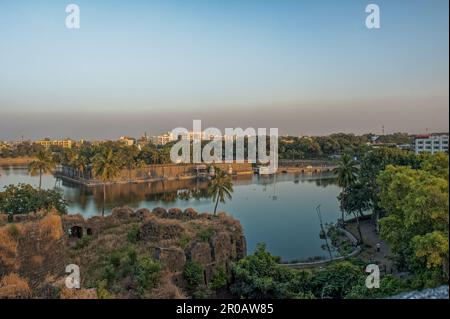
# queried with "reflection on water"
point(279, 211)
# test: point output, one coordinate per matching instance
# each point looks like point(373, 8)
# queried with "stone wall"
point(154, 172)
point(37, 246)
point(33, 249)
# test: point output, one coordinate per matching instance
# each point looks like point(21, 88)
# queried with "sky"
point(305, 67)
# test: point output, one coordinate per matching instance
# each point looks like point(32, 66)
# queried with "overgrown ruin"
point(36, 248)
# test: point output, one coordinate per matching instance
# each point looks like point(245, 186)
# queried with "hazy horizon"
point(305, 67)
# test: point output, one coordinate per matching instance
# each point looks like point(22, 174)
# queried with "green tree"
point(24, 198)
point(347, 174)
point(355, 200)
point(106, 167)
point(220, 187)
point(416, 225)
point(80, 163)
point(43, 164)
point(259, 276)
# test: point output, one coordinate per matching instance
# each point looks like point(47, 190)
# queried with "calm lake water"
point(279, 211)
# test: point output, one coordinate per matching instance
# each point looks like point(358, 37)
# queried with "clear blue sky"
point(287, 64)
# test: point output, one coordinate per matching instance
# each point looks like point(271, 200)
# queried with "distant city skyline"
point(112, 126)
point(305, 67)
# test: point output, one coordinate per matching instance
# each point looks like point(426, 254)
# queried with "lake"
point(278, 211)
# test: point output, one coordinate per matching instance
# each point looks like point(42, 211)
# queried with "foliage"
point(389, 286)
point(336, 280)
point(82, 242)
point(259, 276)
point(134, 234)
point(346, 171)
point(106, 165)
point(220, 187)
point(43, 164)
point(24, 198)
point(417, 221)
point(147, 273)
point(193, 273)
point(355, 200)
point(205, 234)
point(315, 147)
point(142, 272)
point(219, 278)
point(22, 149)
point(374, 162)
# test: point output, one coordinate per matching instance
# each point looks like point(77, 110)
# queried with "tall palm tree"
point(44, 163)
point(80, 163)
point(220, 187)
point(106, 166)
point(347, 173)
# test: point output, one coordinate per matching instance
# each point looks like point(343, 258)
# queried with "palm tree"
point(106, 166)
point(44, 163)
point(347, 173)
point(220, 187)
point(80, 163)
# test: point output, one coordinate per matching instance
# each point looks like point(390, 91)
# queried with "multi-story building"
point(67, 143)
point(431, 143)
point(128, 141)
point(162, 139)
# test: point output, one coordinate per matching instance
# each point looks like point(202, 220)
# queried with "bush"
point(219, 278)
point(24, 198)
point(259, 276)
point(134, 234)
point(83, 242)
point(147, 273)
point(142, 271)
point(336, 280)
point(206, 234)
point(389, 286)
point(193, 273)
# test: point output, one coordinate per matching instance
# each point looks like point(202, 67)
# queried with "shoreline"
point(15, 160)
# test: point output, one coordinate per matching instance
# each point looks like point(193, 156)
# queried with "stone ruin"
point(40, 254)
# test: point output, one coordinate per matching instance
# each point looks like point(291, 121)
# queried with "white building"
point(431, 143)
point(162, 139)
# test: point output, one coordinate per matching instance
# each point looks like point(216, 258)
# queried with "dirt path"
point(370, 253)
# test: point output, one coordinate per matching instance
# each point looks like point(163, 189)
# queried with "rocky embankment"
point(129, 254)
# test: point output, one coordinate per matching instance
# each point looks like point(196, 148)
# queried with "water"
point(279, 211)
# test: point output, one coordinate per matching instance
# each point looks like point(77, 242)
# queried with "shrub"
point(142, 271)
point(219, 278)
point(24, 198)
point(147, 273)
point(206, 234)
point(259, 276)
point(336, 280)
point(83, 242)
point(13, 286)
point(102, 291)
point(184, 241)
point(193, 273)
point(134, 234)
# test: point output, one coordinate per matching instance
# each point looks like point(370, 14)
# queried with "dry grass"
point(78, 293)
point(9, 236)
point(12, 286)
point(51, 226)
point(167, 290)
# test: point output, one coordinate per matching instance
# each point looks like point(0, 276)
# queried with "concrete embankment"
point(153, 173)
